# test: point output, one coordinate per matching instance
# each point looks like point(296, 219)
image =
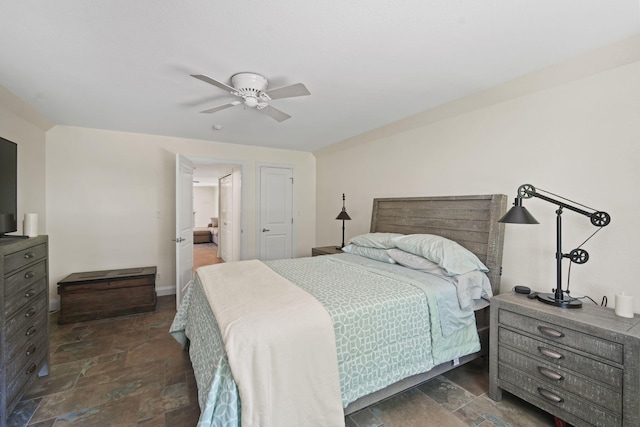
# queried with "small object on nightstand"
point(519, 289)
point(532, 295)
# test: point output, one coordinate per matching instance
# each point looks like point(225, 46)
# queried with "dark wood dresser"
point(24, 317)
point(581, 365)
point(108, 293)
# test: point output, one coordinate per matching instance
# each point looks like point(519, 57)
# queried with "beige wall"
point(104, 189)
point(205, 204)
point(578, 137)
point(27, 128)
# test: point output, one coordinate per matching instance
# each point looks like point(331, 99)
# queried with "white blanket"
point(280, 344)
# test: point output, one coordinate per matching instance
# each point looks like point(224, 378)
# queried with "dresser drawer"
point(565, 336)
point(33, 332)
point(531, 390)
point(560, 356)
point(24, 295)
point(21, 278)
point(607, 397)
point(25, 376)
point(25, 354)
point(21, 258)
point(26, 315)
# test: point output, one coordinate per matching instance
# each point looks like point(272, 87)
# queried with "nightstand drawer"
point(608, 397)
point(550, 395)
point(565, 336)
point(325, 250)
point(560, 356)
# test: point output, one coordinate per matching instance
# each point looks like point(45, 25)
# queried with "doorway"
point(207, 211)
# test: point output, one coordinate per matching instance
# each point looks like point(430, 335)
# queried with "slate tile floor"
point(129, 371)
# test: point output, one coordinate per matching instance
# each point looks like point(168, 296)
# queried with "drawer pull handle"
point(30, 312)
point(30, 369)
point(29, 275)
point(28, 255)
point(550, 353)
point(552, 375)
point(550, 396)
point(30, 331)
point(29, 293)
point(31, 350)
point(550, 332)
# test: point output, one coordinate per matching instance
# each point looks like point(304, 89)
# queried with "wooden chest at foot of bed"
point(109, 293)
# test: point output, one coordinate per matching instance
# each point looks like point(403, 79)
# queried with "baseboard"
point(167, 290)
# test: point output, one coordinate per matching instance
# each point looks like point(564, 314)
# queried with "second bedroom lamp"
point(343, 216)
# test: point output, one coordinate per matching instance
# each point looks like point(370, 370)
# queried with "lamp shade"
point(518, 214)
point(343, 215)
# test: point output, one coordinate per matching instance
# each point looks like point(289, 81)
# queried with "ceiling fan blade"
point(275, 113)
point(221, 107)
point(291, 91)
point(214, 82)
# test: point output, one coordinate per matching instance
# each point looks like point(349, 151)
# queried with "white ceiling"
point(125, 65)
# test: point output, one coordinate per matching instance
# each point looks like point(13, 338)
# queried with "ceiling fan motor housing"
point(249, 84)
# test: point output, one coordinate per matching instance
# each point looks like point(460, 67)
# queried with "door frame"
point(259, 166)
point(244, 246)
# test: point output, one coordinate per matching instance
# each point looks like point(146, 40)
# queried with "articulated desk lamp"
point(518, 214)
point(344, 216)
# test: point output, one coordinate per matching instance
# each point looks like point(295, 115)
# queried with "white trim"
point(166, 290)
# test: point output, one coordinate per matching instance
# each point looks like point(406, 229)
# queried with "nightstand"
point(326, 250)
point(581, 365)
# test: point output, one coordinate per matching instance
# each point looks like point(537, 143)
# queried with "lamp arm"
point(598, 218)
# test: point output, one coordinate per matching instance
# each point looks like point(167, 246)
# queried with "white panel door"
point(225, 222)
point(184, 225)
point(276, 213)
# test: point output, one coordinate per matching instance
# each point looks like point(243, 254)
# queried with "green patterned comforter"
point(387, 322)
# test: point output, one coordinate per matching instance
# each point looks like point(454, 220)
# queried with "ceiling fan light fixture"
point(250, 101)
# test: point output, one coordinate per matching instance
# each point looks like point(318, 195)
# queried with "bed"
point(471, 221)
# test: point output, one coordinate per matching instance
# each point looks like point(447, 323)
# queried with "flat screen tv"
point(8, 187)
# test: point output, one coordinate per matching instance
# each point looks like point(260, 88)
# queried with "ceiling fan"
point(252, 89)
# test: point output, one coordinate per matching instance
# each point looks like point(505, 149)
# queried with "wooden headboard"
point(472, 221)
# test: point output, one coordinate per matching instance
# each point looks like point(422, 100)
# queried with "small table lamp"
point(344, 216)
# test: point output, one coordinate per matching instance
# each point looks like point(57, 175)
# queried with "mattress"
point(390, 322)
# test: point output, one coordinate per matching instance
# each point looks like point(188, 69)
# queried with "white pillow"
point(474, 290)
point(415, 262)
point(377, 254)
point(376, 240)
point(449, 255)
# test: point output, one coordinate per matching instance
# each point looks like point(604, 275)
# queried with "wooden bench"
point(109, 293)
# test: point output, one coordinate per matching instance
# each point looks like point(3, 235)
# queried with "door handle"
point(264, 230)
point(178, 240)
